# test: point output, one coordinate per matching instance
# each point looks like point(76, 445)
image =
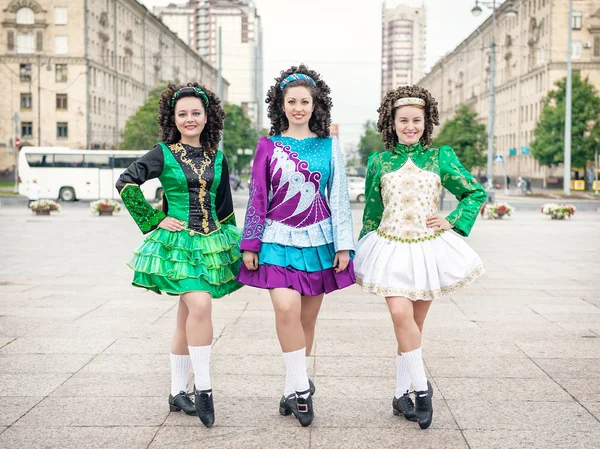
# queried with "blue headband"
point(195, 90)
point(296, 77)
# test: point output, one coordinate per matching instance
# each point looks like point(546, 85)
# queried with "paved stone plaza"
point(514, 358)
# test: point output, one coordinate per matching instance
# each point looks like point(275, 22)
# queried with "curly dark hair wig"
point(387, 114)
point(215, 116)
point(321, 117)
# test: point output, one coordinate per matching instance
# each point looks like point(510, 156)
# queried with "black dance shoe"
point(424, 407)
point(304, 408)
point(205, 407)
point(312, 387)
point(405, 405)
point(183, 402)
point(287, 404)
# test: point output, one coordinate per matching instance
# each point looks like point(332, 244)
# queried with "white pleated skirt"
point(417, 271)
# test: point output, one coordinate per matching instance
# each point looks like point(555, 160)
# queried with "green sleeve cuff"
point(145, 216)
point(463, 185)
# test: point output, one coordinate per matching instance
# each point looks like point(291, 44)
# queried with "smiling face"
point(190, 119)
point(409, 124)
point(298, 105)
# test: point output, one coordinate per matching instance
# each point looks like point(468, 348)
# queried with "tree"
point(370, 141)
point(467, 137)
point(548, 144)
point(238, 134)
point(141, 129)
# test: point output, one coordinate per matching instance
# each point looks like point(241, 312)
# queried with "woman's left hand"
point(438, 223)
point(342, 258)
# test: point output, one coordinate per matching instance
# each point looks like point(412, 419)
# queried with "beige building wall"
point(403, 33)
point(100, 63)
point(531, 55)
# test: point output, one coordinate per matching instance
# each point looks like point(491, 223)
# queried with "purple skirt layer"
point(309, 284)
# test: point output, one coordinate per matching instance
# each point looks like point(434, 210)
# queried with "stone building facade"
point(74, 72)
point(531, 55)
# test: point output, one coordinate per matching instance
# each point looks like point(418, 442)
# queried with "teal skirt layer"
point(307, 259)
point(177, 262)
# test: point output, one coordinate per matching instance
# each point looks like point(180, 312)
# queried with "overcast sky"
point(341, 39)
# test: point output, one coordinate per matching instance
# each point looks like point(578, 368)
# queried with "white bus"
point(69, 175)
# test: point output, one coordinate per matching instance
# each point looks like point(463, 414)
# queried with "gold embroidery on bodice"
point(410, 195)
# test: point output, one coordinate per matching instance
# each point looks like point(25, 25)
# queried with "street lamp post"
point(569, 88)
point(476, 11)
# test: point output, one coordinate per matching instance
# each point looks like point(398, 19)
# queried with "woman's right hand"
point(251, 260)
point(171, 224)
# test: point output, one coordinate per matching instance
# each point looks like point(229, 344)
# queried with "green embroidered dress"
point(205, 256)
point(397, 254)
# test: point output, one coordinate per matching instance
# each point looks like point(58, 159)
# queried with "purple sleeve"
point(254, 223)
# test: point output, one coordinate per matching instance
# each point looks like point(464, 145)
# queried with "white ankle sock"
point(414, 364)
point(402, 377)
point(296, 378)
point(180, 369)
point(307, 363)
point(200, 356)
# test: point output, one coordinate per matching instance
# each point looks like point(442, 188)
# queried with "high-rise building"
point(531, 55)
point(242, 57)
point(180, 20)
point(403, 34)
point(74, 72)
point(241, 34)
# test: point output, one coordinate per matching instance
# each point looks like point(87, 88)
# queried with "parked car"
point(356, 188)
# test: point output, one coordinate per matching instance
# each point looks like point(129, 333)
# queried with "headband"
point(409, 101)
point(296, 77)
point(195, 90)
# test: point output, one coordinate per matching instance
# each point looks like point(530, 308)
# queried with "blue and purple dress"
point(298, 216)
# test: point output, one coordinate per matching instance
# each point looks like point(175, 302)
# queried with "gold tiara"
point(409, 101)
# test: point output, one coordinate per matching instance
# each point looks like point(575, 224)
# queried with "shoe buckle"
point(302, 408)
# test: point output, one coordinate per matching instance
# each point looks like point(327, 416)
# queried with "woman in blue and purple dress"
point(298, 240)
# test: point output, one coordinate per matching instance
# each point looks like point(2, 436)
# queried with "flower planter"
point(44, 207)
point(496, 211)
point(105, 207)
point(558, 211)
point(106, 211)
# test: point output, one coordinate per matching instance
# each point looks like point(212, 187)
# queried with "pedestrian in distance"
point(35, 192)
point(192, 249)
point(297, 240)
point(405, 252)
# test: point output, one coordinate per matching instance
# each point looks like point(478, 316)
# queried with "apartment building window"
point(61, 73)
point(61, 101)
point(25, 16)
point(61, 45)
point(25, 73)
point(62, 130)
point(576, 20)
point(576, 49)
point(26, 100)
point(596, 46)
point(60, 15)
point(25, 42)
point(26, 130)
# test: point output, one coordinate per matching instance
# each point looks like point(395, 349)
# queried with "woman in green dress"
point(192, 250)
point(404, 252)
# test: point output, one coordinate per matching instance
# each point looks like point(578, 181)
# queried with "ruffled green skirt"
point(177, 262)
